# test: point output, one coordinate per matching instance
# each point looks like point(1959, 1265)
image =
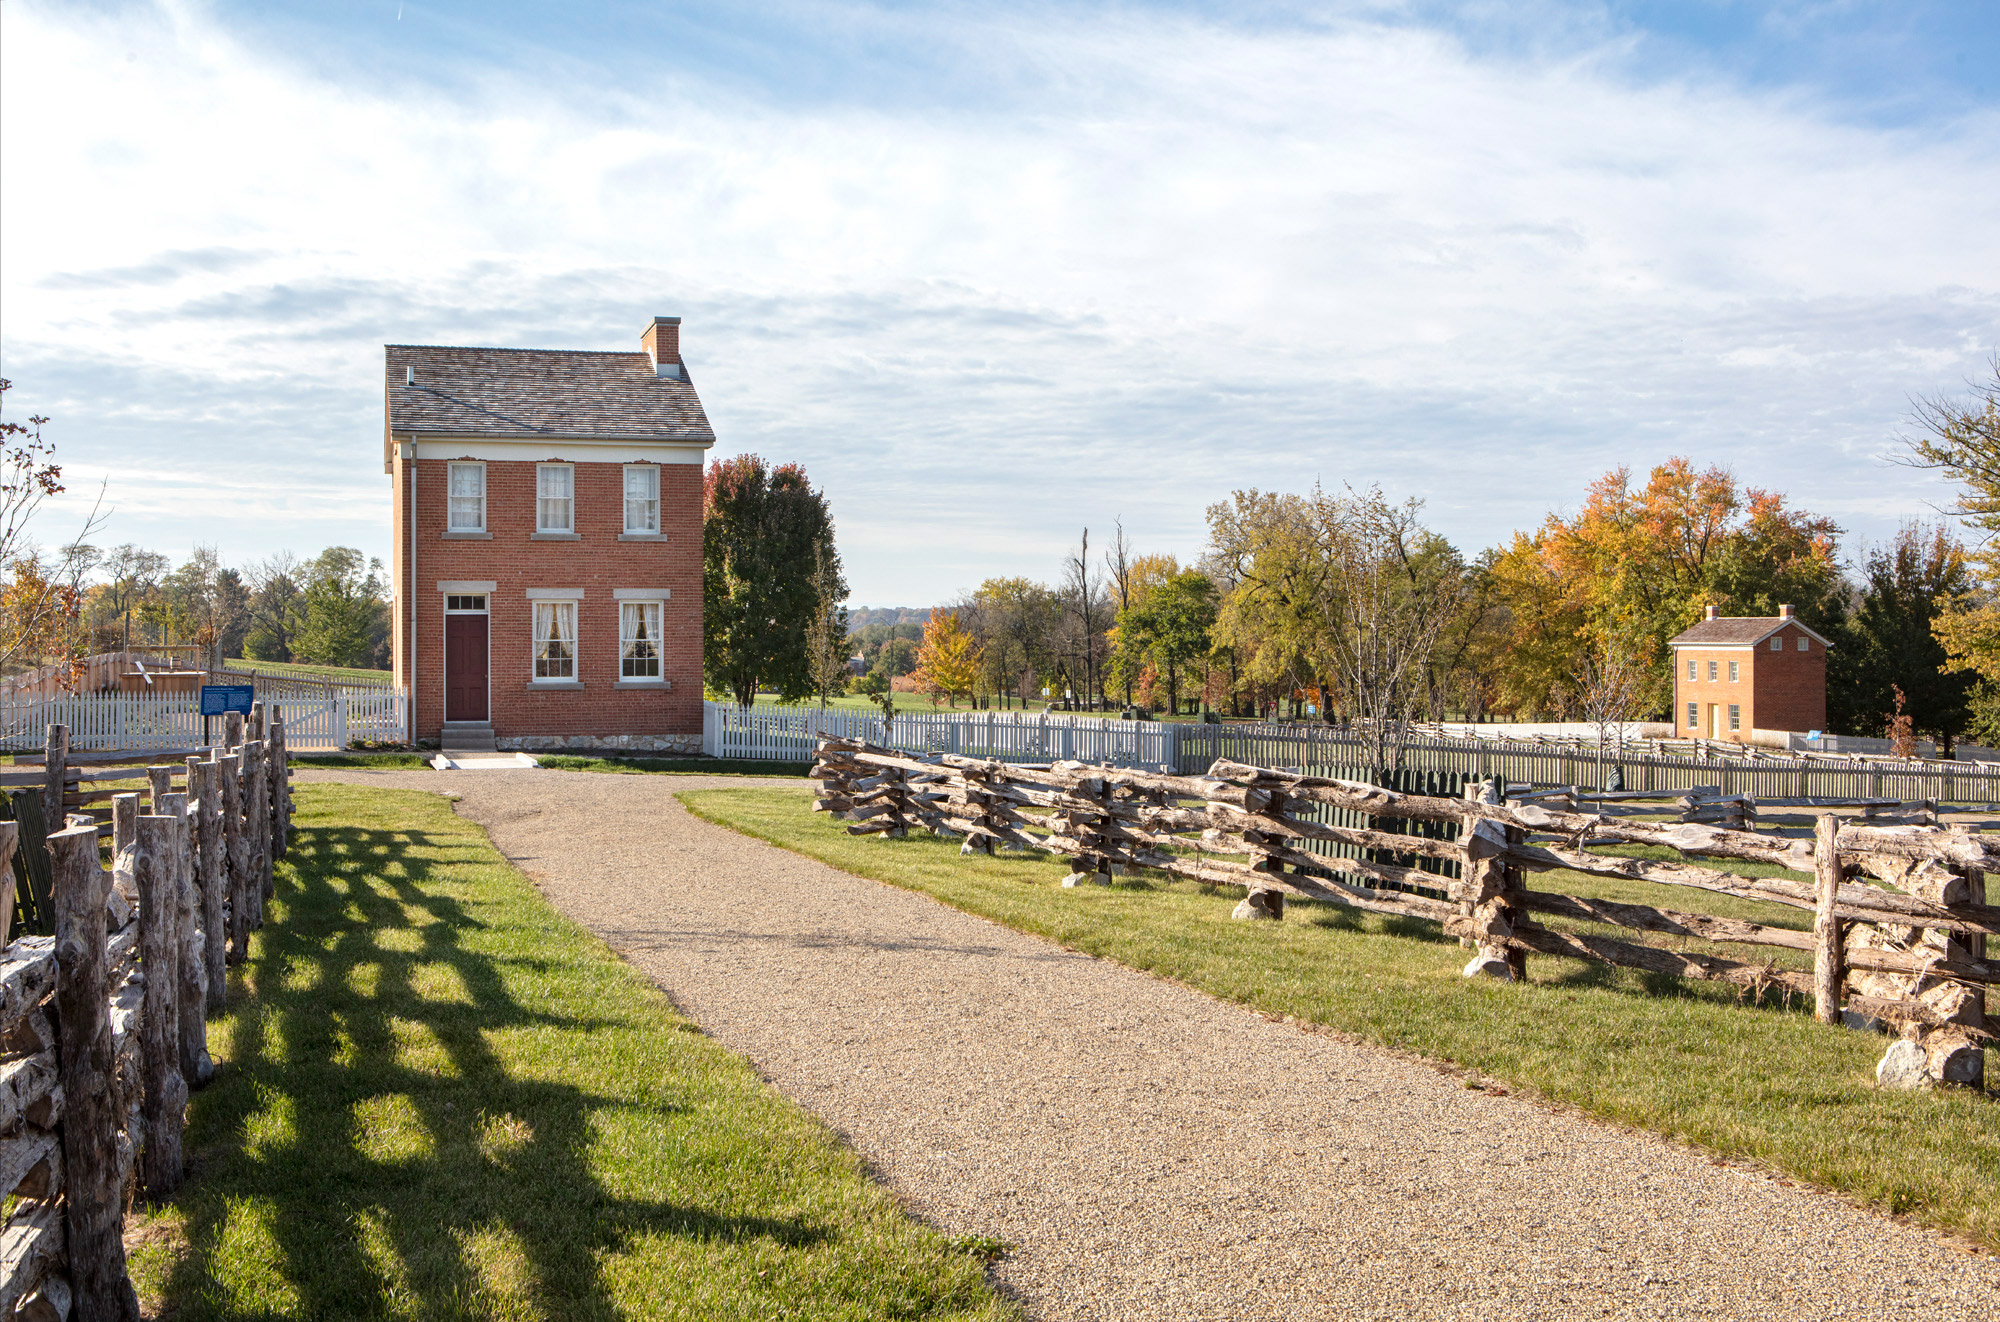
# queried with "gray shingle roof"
point(540, 392)
point(1726, 630)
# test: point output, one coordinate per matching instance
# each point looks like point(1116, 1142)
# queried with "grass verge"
point(1762, 1082)
point(363, 761)
point(673, 766)
point(440, 1099)
point(307, 671)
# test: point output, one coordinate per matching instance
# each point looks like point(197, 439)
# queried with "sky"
point(997, 274)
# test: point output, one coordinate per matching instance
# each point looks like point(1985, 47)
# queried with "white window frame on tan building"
point(1732, 672)
point(640, 598)
point(549, 507)
point(1735, 717)
point(648, 526)
point(453, 525)
point(1691, 672)
point(1694, 714)
point(550, 605)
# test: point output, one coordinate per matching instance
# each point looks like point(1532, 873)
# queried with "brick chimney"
point(1784, 612)
point(662, 343)
point(1710, 615)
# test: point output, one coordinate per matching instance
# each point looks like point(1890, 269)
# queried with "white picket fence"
point(788, 733)
point(125, 722)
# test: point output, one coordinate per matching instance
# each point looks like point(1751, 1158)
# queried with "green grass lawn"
point(363, 761)
point(438, 1098)
point(1762, 1082)
point(304, 671)
point(678, 766)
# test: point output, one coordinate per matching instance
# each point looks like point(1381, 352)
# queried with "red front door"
point(465, 667)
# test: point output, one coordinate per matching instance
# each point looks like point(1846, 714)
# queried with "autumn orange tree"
point(1639, 563)
point(948, 658)
point(40, 593)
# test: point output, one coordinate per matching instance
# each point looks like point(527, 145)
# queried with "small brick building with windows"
point(1736, 674)
point(547, 549)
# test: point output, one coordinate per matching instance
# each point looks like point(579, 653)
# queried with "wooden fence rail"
point(103, 1023)
point(1900, 918)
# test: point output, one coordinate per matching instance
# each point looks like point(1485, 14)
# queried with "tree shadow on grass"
point(367, 1144)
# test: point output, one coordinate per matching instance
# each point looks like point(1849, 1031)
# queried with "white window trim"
point(1805, 644)
point(1732, 672)
point(1736, 717)
point(625, 502)
point(1694, 716)
point(540, 527)
point(556, 596)
point(450, 525)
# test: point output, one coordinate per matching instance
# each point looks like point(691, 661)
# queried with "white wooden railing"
point(788, 733)
point(139, 722)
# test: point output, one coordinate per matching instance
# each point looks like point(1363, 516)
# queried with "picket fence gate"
point(127, 722)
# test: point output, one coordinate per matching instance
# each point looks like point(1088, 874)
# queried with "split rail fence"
point(1898, 903)
point(790, 733)
point(103, 1021)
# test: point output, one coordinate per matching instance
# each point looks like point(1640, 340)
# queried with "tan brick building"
point(1739, 673)
point(547, 550)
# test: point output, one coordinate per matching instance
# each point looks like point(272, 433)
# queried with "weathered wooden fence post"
point(232, 729)
point(1829, 945)
point(161, 782)
point(93, 1182)
point(235, 854)
point(211, 877)
point(281, 789)
point(257, 824)
point(191, 990)
point(55, 772)
point(164, 1091)
point(1487, 896)
point(10, 840)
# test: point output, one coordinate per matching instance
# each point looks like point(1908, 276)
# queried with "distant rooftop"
point(1738, 630)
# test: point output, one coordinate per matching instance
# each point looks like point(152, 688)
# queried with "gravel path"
point(1150, 1152)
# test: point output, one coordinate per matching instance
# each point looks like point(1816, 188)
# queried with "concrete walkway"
point(1150, 1152)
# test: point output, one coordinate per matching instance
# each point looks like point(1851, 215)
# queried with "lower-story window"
point(639, 639)
point(555, 640)
point(1735, 717)
point(1694, 713)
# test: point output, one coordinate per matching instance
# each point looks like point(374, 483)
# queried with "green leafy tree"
point(1169, 626)
point(764, 531)
point(1889, 641)
point(333, 620)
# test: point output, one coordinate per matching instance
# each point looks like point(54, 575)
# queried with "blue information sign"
point(221, 699)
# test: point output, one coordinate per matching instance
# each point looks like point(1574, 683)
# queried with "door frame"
point(444, 658)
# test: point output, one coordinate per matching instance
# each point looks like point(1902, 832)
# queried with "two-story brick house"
point(547, 548)
point(1737, 674)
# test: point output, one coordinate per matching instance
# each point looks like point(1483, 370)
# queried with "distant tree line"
point(1340, 606)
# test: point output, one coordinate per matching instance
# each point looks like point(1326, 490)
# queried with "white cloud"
point(1181, 258)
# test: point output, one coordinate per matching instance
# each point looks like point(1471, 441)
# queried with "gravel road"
point(1149, 1152)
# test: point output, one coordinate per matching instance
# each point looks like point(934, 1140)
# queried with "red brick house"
point(547, 550)
point(1740, 673)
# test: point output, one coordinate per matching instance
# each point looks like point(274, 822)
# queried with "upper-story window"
point(1778, 644)
point(1732, 672)
point(1805, 645)
point(468, 498)
point(555, 498)
point(642, 498)
point(1691, 674)
point(1711, 672)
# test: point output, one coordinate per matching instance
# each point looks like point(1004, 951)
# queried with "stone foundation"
point(677, 745)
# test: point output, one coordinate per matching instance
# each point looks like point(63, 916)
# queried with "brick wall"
point(1791, 685)
point(597, 562)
